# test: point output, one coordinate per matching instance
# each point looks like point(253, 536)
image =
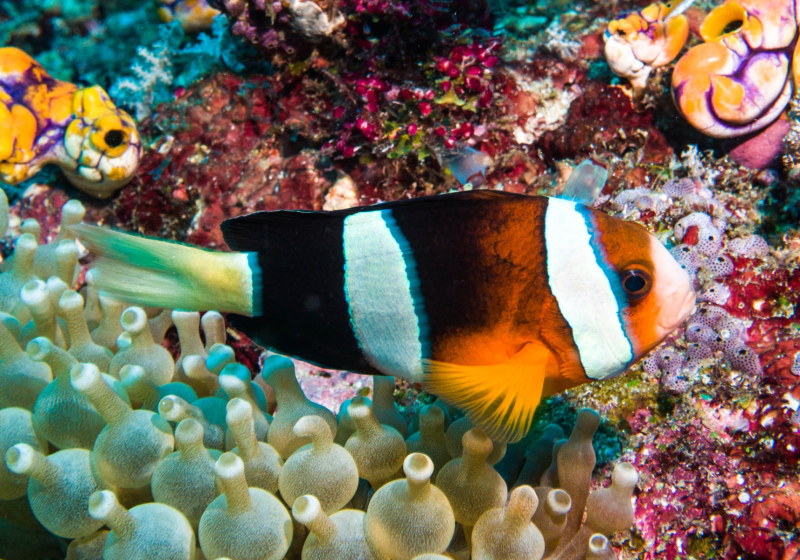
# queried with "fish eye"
point(636, 283)
point(113, 138)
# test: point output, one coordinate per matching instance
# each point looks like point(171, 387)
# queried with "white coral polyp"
point(311, 21)
point(551, 111)
point(624, 63)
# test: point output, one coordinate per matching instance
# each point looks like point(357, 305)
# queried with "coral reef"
point(403, 99)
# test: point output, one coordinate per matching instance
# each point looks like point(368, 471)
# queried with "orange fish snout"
point(738, 81)
point(670, 301)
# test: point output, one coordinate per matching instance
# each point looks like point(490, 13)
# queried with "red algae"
point(604, 119)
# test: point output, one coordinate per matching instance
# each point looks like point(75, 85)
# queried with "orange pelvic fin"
point(500, 398)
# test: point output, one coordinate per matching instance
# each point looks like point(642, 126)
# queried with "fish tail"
point(163, 274)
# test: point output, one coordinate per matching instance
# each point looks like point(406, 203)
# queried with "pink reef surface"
point(371, 113)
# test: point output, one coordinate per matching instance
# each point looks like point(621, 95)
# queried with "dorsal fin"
point(253, 231)
point(585, 183)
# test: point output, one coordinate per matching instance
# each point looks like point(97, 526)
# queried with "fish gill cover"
point(249, 105)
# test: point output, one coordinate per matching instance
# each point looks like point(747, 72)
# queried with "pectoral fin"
point(556, 333)
point(500, 398)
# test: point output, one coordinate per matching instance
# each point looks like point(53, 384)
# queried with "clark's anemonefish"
point(491, 300)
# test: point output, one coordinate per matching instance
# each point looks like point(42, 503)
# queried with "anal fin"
point(500, 398)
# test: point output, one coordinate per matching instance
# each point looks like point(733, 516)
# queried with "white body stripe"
point(379, 295)
point(584, 292)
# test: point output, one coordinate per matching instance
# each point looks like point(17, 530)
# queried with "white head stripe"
point(380, 295)
point(583, 291)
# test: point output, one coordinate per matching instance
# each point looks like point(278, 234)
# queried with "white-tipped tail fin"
point(164, 274)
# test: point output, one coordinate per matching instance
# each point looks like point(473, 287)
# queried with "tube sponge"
point(243, 523)
point(146, 394)
point(506, 533)
point(576, 460)
point(600, 549)
point(186, 479)
point(88, 548)
point(292, 406)
point(378, 450)
point(551, 515)
point(109, 327)
point(471, 485)
point(21, 379)
point(59, 487)
point(410, 516)
point(35, 296)
point(16, 426)
point(383, 404)
point(430, 438)
point(128, 449)
point(339, 536)
point(609, 510)
point(144, 532)
point(539, 456)
point(454, 435)
point(61, 414)
point(262, 464)
point(209, 411)
point(19, 272)
point(81, 345)
point(143, 351)
point(322, 469)
point(346, 425)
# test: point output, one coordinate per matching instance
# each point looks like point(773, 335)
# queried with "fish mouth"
point(670, 322)
point(674, 295)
